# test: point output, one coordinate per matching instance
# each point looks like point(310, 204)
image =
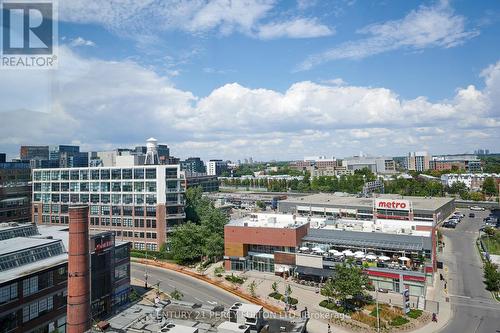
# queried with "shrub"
point(398, 321)
point(235, 279)
point(364, 318)
point(414, 313)
point(335, 307)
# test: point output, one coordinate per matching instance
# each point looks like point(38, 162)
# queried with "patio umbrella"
point(348, 253)
point(319, 251)
point(316, 249)
point(304, 248)
point(332, 251)
point(359, 255)
point(384, 258)
point(371, 257)
point(338, 254)
point(404, 258)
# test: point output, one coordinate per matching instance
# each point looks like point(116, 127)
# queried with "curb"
point(182, 270)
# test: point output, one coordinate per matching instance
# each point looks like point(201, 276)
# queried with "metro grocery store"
point(395, 245)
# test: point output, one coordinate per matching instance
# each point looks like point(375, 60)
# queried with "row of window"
point(30, 255)
point(137, 186)
point(145, 246)
point(38, 308)
point(136, 234)
point(125, 222)
point(95, 174)
point(115, 199)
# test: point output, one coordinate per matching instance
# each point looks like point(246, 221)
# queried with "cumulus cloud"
point(110, 103)
point(143, 19)
point(436, 26)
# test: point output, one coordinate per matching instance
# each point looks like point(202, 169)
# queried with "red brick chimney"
point(78, 308)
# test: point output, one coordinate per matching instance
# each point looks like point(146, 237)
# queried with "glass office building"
point(140, 204)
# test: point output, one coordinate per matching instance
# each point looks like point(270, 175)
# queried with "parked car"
point(472, 215)
point(449, 224)
point(459, 214)
point(476, 208)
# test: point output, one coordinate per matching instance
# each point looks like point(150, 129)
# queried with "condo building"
point(139, 203)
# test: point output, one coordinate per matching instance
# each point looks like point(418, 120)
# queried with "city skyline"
point(272, 80)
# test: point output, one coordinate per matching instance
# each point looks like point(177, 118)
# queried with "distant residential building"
point(418, 161)
point(15, 192)
point(374, 164)
point(193, 165)
point(28, 153)
point(216, 167)
point(465, 162)
point(473, 181)
point(319, 162)
point(65, 156)
point(482, 152)
point(208, 183)
point(3, 157)
point(336, 171)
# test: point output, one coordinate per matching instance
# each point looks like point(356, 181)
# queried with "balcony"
point(176, 216)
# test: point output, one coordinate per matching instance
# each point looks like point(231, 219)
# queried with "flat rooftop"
point(272, 220)
point(375, 240)
point(343, 199)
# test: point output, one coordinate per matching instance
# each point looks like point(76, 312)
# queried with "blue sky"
point(268, 79)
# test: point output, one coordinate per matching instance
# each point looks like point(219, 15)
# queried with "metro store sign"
point(391, 204)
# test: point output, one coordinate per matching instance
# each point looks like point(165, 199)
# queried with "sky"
point(274, 80)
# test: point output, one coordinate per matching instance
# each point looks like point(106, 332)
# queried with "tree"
point(260, 204)
point(288, 292)
point(491, 277)
point(176, 294)
point(219, 270)
point(349, 283)
point(489, 186)
point(476, 196)
point(252, 288)
point(328, 290)
point(213, 247)
point(274, 287)
point(187, 243)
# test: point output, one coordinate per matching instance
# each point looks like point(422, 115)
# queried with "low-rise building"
point(374, 164)
point(466, 162)
point(15, 192)
point(473, 181)
point(33, 276)
point(206, 182)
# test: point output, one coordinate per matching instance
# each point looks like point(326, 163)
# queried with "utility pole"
point(376, 300)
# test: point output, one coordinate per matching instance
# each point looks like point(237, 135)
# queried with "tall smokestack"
point(78, 309)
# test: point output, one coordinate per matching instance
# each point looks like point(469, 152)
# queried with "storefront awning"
point(312, 271)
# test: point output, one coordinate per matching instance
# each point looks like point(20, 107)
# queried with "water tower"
point(152, 151)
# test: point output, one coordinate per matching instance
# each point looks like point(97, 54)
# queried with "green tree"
point(476, 196)
point(252, 288)
point(260, 204)
point(274, 287)
point(213, 247)
point(176, 294)
point(349, 283)
point(489, 186)
point(328, 290)
point(491, 277)
point(288, 293)
point(187, 243)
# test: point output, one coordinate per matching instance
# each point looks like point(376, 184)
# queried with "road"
point(474, 310)
point(194, 290)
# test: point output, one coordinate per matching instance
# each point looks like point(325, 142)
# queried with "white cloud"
point(109, 103)
point(79, 41)
point(336, 82)
point(142, 20)
point(295, 28)
point(425, 27)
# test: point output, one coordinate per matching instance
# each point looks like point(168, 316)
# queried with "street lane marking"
point(460, 296)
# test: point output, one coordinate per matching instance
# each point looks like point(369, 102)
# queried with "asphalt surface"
point(474, 310)
point(194, 291)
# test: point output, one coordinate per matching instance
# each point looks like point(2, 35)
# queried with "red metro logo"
point(393, 204)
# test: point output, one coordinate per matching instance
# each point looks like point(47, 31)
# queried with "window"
point(64, 197)
point(37, 187)
point(94, 187)
point(30, 286)
point(150, 186)
point(151, 211)
point(127, 222)
point(127, 199)
point(105, 174)
point(105, 198)
point(127, 210)
point(8, 293)
point(139, 173)
point(105, 187)
point(94, 210)
point(94, 174)
point(74, 187)
point(151, 199)
point(139, 223)
point(84, 198)
point(74, 175)
point(116, 174)
point(121, 272)
point(151, 223)
point(150, 173)
point(105, 210)
point(64, 187)
point(116, 187)
point(127, 186)
point(94, 198)
point(84, 187)
point(84, 174)
point(151, 247)
point(55, 187)
point(138, 187)
point(127, 174)
point(139, 199)
point(116, 199)
point(116, 222)
point(116, 210)
point(139, 211)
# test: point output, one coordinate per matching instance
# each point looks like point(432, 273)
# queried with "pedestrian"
point(434, 318)
point(329, 329)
